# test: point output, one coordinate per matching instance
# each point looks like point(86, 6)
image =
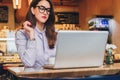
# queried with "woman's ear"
point(32, 10)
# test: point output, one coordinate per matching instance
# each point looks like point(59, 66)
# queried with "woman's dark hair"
point(50, 29)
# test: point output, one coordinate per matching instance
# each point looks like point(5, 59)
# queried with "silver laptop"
point(79, 49)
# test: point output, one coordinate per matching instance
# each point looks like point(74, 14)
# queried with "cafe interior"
point(79, 15)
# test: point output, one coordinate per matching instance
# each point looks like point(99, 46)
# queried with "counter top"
point(10, 59)
point(58, 73)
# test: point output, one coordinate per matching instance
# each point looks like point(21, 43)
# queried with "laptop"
point(77, 49)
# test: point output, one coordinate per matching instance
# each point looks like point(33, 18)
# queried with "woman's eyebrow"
point(43, 6)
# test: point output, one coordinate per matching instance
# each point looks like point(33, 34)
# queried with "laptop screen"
point(80, 48)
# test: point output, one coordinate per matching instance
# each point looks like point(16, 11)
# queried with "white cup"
point(51, 60)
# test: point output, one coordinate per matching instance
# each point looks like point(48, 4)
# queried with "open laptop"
point(79, 49)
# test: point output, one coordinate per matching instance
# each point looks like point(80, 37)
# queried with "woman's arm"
point(26, 48)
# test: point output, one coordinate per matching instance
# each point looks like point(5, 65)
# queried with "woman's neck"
point(40, 26)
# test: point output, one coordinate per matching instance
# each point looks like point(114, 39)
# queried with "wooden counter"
point(59, 73)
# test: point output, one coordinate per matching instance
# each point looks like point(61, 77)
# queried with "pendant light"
point(17, 4)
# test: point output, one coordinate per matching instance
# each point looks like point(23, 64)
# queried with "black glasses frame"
point(42, 9)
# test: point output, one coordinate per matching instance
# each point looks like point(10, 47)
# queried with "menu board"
point(67, 18)
point(3, 14)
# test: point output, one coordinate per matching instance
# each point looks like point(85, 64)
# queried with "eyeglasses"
point(42, 9)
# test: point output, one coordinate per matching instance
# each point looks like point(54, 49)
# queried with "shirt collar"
point(40, 32)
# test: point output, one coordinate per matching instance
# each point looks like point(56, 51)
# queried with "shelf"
point(5, 39)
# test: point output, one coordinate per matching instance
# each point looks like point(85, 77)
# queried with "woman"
point(36, 41)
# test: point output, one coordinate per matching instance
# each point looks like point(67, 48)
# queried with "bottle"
point(109, 57)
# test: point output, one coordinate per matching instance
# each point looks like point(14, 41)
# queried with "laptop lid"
point(80, 49)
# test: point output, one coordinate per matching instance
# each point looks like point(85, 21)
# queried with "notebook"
point(77, 49)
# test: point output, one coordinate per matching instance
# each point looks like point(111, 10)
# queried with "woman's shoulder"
point(20, 33)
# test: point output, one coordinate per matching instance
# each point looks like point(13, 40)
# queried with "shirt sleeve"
point(26, 48)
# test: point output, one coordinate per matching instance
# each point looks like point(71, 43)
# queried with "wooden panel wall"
point(21, 13)
point(116, 26)
point(98, 7)
point(102, 7)
point(82, 12)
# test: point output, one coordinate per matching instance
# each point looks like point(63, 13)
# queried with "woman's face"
point(41, 11)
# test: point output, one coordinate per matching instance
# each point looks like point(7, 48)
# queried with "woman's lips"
point(44, 17)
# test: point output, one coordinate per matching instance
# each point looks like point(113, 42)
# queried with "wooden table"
point(62, 73)
point(5, 66)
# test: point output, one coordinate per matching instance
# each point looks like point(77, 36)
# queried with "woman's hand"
point(29, 30)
